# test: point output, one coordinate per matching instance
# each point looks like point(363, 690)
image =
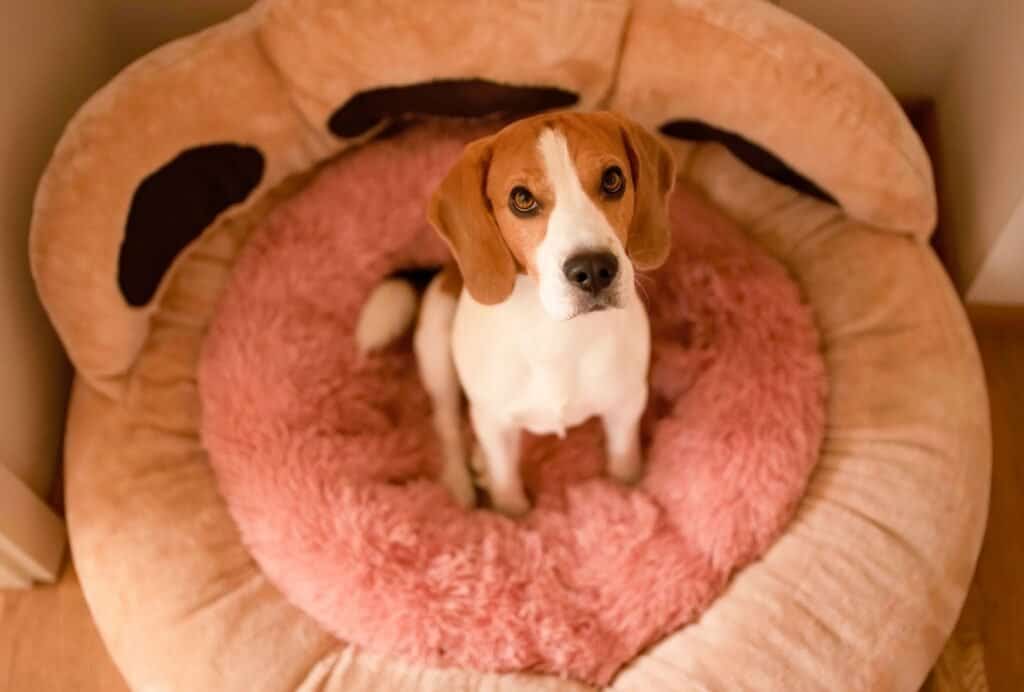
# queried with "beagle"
point(540, 323)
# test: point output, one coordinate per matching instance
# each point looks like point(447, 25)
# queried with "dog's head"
point(574, 200)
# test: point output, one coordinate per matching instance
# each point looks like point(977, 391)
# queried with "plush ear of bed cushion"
point(753, 70)
point(185, 96)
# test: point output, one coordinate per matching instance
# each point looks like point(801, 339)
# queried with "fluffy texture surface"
point(326, 458)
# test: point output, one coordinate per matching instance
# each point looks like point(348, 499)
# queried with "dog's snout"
point(591, 271)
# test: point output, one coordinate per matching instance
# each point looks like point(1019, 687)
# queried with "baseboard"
point(32, 537)
point(11, 577)
point(990, 315)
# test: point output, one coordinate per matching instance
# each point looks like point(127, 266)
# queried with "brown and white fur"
point(540, 324)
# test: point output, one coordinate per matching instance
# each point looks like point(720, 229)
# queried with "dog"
point(539, 321)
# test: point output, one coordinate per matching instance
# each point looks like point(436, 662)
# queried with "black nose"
point(591, 271)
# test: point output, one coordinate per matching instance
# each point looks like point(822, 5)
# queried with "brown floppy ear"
point(462, 214)
point(654, 174)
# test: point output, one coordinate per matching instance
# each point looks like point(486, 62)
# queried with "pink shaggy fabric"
point(326, 460)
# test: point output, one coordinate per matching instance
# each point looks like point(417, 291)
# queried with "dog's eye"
point(522, 201)
point(613, 182)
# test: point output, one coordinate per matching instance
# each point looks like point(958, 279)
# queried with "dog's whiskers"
point(645, 296)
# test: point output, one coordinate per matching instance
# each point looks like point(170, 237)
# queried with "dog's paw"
point(478, 466)
point(511, 504)
point(628, 469)
point(510, 501)
point(460, 485)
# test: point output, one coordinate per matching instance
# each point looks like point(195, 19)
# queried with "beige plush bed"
point(158, 180)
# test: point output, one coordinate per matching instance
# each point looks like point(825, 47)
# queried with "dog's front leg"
point(622, 437)
point(499, 444)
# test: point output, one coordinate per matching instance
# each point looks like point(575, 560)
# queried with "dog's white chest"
point(546, 376)
point(556, 396)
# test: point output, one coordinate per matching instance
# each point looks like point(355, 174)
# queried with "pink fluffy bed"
point(326, 460)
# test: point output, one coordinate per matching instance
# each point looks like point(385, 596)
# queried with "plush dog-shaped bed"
point(159, 179)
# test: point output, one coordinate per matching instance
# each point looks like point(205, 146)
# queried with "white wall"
point(141, 25)
point(909, 43)
point(53, 54)
point(999, 281)
point(981, 118)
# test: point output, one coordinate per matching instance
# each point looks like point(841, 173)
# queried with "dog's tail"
point(388, 313)
point(390, 310)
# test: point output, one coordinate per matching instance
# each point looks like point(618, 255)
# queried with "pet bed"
point(159, 180)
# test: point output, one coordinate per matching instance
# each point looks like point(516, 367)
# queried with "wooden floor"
point(48, 642)
point(999, 581)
